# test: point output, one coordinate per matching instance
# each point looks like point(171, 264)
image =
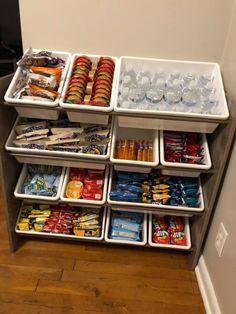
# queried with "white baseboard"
point(206, 288)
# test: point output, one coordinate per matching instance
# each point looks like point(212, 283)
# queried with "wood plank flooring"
point(51, 277)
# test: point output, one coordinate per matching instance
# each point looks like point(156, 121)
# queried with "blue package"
point(124, 196)
point(130, 187)
point(123, 234)
point(125, 224)
point(131, 216)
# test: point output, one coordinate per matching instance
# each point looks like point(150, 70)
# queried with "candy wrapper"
point(183, 147)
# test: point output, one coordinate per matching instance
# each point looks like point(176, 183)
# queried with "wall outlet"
point(221, 237)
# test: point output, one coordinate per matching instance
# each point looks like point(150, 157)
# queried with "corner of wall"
point(206, 288)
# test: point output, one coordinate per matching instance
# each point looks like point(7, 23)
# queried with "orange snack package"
point(48, 71)
point(74, 189)
point(42, 92)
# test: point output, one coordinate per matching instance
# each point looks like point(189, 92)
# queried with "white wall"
point(181, 29)
point(228, 60)
point(222, 270)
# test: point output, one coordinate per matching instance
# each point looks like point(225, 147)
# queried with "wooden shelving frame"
point(220, 144)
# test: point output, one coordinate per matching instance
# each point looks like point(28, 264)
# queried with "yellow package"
point(23, 226)
point(86, 233)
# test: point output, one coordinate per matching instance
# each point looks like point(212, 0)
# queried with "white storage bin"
point(171, 246)
point(107, 239)
point(56, 161)
point(134, 134)
point(16, 151)
point(173, 66)
point(205, 151)
point(63, 236)
point(153, 206)
point(180, 173)
point(21, 180)
point(166, 124)
point(92, 116)
point(83, 201)
point(41, 111)
point(38, 113)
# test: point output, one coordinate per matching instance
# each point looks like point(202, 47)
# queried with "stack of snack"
point(60, 219)
point(91, 83)
point(168, 230)
point(154, 188)
point(85, 184)
point(183, 147)
point(128, 186)
point(62, 135)
point(126, 226)
point(40, 76)
point(41, 180)
point(134, 150)
point(88, 223)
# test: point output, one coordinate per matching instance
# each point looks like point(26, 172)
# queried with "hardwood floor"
point(65, 277)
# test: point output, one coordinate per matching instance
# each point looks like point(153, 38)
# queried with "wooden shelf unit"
point(220, 143)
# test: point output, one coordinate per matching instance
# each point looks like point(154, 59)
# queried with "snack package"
point(178, 238)
point(42, 92)
point(161, 237)
point(175, 224)
point(46, 71)
point(86, 233)
point(159, 223)
point(92, 194)
point(122, 234)
point(74, 189)
point(41, 58)
point(41, 180)
point(125, 224)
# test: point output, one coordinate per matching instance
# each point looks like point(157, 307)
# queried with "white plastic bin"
point(60, 235)
point(43, 106)
point(153, 206)
point(20, 182)
point(172, 66)
point(84, 201)
point(134, 134)
point(107, 239)
point(77, 115)
point(48, 155)
point(171, 246)
point(206, 159)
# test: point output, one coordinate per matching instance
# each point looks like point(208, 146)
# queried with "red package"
point(175, 224)
point(159, 223)
point(77, 174)
point(161, 237)
point(95, 181)
point(94, 194)
point(178, 238)
point(48, 228)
